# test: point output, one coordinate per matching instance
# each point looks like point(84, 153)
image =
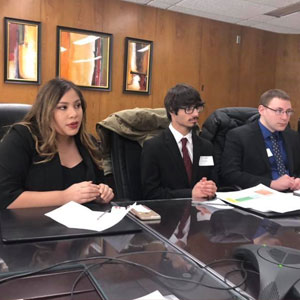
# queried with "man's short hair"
point(180, 96)
point(267, 96)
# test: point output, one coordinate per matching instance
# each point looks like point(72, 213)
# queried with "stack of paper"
point(263, 199)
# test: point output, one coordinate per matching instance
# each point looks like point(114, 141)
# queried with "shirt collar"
point(178, 136)
point(266, 132)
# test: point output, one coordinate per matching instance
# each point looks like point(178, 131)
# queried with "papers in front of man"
point(75, 215)
point(262, 198)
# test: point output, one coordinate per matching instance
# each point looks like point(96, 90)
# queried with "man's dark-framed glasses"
point(190, 109)
point(280, 112)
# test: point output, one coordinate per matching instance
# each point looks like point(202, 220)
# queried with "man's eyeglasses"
point(280, 112)
point(190, 109)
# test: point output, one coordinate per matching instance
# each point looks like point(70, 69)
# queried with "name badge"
point(269, 153)
point(206, 161)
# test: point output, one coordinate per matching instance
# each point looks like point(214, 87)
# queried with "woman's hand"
point(82, 192)
point(106, 193)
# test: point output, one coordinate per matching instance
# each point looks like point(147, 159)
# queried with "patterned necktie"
point(186, 159)
point(277, 155)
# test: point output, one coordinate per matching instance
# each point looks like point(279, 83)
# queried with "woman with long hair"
point(49, 158)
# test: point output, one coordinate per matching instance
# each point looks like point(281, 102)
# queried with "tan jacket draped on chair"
point(137, 124)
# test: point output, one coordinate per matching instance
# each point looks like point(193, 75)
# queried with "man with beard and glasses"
point(178, 163)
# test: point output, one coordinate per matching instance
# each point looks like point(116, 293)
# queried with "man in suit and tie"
point(178, 163)
point(265, 151)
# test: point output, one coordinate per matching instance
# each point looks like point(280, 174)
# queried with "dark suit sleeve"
point(152, 173)
point(16, 153)
point(241, 162)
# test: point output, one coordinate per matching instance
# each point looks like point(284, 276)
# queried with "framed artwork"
point(84, 57)
point(138, 63)
point(22, 51)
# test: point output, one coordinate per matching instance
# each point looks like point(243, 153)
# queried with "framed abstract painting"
point(84, 57)
point(138, 65)
point(22, 54)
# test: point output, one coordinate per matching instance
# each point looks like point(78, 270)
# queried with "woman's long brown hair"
point(39, 120)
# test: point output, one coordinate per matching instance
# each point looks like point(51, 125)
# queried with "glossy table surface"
point(125, 266)
point(213, 236)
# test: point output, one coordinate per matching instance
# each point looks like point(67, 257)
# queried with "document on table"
point(75, 215)
point(262, 198)
point(156, 295)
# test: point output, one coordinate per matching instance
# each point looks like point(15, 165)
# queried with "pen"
point(104, 213)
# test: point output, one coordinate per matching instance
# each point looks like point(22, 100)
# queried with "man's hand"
point(204, 189)
point(283, 183)
point(296, 185)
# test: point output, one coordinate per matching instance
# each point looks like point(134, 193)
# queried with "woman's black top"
point(19, 170)
point(73, 175)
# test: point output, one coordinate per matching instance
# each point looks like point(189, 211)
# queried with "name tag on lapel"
point(206, 161)
point(269, 153)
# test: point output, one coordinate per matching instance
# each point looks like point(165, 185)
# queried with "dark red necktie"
point(186, 159)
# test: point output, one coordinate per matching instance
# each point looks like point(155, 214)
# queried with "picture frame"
point(138, 65)
point(22, 51)
point(84, 57)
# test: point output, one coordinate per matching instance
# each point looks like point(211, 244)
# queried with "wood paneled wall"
point(288, 70)
point(198, 51)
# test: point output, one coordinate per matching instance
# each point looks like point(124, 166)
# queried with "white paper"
point(156, 295)
point(75, 215)
point(262, 198)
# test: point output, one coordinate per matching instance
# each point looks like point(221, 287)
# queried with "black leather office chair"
point(11, 113)
point(125, 158)
point(218, 123)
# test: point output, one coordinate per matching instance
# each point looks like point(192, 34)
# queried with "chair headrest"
point(224, 119)
point(11, 113)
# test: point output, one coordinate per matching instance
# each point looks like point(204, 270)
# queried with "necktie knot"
point(274, 137)
point(184, 141)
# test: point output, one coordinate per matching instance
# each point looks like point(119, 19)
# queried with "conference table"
point(188, 254)
point(214, 234)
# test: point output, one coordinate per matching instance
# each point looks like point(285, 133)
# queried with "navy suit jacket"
point(162, 168)
point(245, 161)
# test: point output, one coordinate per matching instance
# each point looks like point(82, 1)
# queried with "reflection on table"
point(125, 266)
point(212, 235)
